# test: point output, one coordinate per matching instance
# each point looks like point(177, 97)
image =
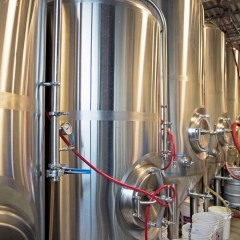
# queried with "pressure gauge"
point(66, 128)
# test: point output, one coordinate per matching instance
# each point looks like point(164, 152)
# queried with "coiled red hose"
point(148, 207)
point(235, 140)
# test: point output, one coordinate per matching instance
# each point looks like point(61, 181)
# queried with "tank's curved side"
point(215, 96)
point(109, 83)
point(21, 155)
point(232, 95)
point(185, 38)
point(232, 83)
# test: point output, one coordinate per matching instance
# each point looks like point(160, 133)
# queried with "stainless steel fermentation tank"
point(185, 86)
point(21, 154)
point(232, 94)
point(110, 84)
point(185, 97)
point(232, 83)
point(215, 98)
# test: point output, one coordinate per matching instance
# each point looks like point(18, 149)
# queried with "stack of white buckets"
point(185, 210)
point(214, 224)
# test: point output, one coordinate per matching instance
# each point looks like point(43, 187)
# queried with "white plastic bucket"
point(227, 217)
point(209, 220)
point(185, 210)
point(200, 205)
point(219, 233)
point(198, 231)
point(185, 214)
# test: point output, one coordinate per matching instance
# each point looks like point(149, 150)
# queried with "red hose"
point(148, 207)
point(234, 125)
point(235, 215)
point(110, 178)
point(234, 135)
point(172, 150)
point(152, 196)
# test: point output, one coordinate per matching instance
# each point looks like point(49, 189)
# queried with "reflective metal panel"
point(109, 84)
point(21, 148)
point(232, 83)
point(215, 96)
point(185, 38)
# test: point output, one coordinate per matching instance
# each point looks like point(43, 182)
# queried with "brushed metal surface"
point(232, 83)
point(145, 174)
point(215, 94)
point(185, 39)
point(109, 83)
point(21, 148)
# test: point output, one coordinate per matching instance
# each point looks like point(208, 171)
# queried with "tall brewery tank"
point(215, 97)
point(232, 83)
point(185, 90)
point(21, 154)
point(109, 77)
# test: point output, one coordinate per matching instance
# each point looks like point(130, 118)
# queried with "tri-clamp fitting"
point(186, 162)
point(55, 172)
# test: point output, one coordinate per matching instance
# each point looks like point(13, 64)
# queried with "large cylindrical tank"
point(21, 154)
point(109, 77)
point(215, 97)
point(185, 89)
point(232, 83)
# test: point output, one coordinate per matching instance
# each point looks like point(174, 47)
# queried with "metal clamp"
point(58, 113)
point(164, 106)
point(50, 84)
point(166, 223)
point(55, 174)
point(66, 148)
point(186, 162)
point(167, 123)
point(138, 200)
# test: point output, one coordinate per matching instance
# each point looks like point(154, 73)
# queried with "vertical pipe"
point(193, 207)
point(163, 45)
point(55, 87)
point(174, 228)
point(52, 189)
point(217, 185)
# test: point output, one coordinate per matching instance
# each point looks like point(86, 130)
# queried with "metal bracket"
point(193, 194)
point(58, 113)
point(223, 178)
point(138, 198)
point(167, 123)
point(66, 148)
point(164, 106)
point(50, 84)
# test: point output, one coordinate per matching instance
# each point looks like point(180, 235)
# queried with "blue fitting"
point(76, 171)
